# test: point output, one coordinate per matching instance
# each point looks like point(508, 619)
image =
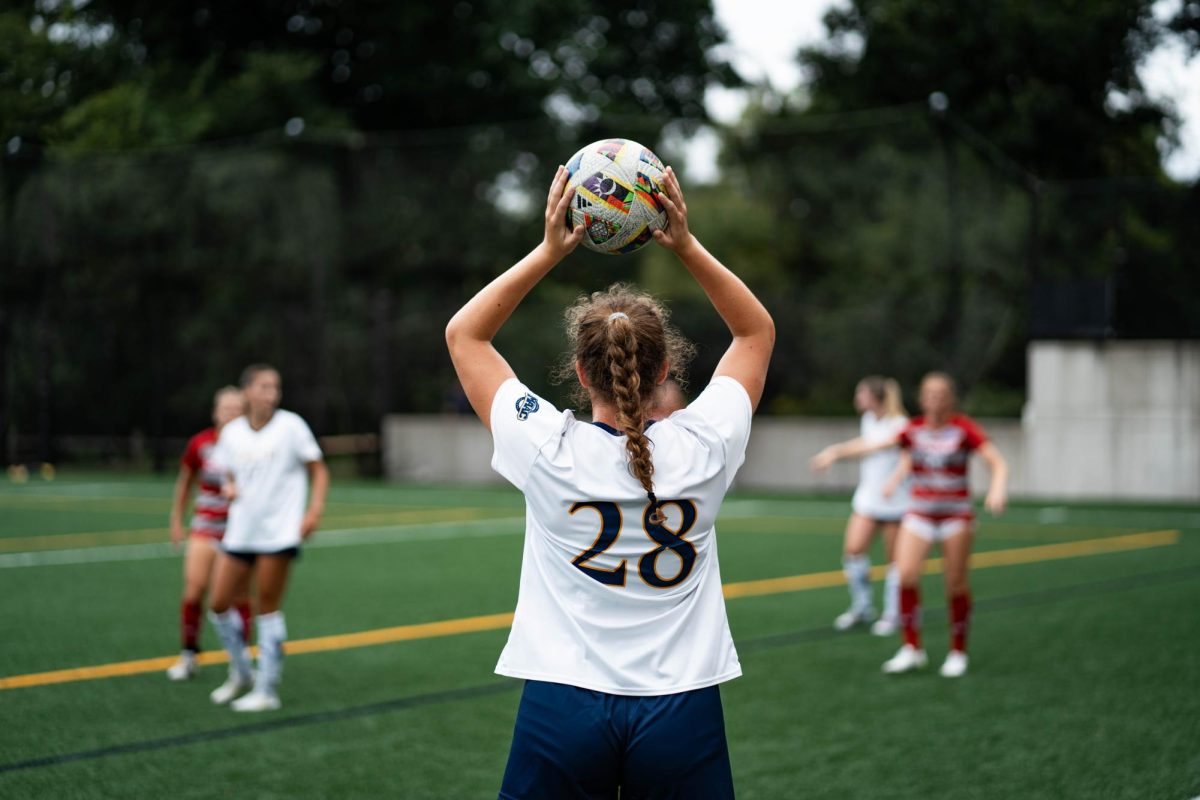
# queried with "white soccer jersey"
point(877, 467)
point(269, 469)
point(608, 601)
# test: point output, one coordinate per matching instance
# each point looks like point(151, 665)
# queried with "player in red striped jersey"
point(206, 529)
point(937, 448)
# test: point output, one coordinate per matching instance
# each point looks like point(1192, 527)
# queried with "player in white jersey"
point(269, 456)
point(879, 402)
point(620, 630)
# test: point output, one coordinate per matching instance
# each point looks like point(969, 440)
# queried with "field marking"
point(490, 622)
point(982, 560)
point(344, 537)
point(63, 541)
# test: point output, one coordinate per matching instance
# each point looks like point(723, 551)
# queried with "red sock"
point(247, 616)
point(189, 625)
point(960, 620)
point(910, 615)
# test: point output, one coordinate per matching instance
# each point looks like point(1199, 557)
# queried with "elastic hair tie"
point(617, 315)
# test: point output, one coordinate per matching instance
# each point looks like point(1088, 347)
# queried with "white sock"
point(272, 633)
point(228, 626)
point(858, 579)
point(891, 594)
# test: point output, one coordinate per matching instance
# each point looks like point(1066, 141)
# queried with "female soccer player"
point(937, 449)
point(207, 528)
point(269, 458)
point(878, 400)
point(620, 630)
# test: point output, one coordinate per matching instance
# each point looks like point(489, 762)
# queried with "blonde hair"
point(226, 390)
point(886, 392)
point(620, 338)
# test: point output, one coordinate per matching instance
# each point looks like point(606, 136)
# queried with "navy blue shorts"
point(250, 557)
point(576, 743)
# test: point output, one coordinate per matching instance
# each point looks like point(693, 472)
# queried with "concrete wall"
point(1114, 420)
point(458, 449)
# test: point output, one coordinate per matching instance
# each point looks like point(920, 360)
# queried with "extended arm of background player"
point(902, 470)
point(318, 477)
point(480, 367)
point(854, 448)
point(997, 496)
point(748, 320)
point(183, 490)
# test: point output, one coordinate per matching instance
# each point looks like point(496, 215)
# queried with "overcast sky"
point(759, 49)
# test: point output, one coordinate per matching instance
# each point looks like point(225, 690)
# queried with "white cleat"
point(848, 619)
point(907, 659)
point(183, 669)
point(955, 665)
point(233, 686)
point(257, 701)
point(884, 626)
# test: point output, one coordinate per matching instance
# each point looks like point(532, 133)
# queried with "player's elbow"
point(453, 332)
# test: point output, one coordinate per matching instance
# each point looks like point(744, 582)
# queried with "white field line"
point(344, 537)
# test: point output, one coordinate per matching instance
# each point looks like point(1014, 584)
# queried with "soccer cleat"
point(183, 669)
point(955, 665)
point(884, 626)
point(257, 700)
point(907, 659)
point(848, 619)
point(234, 685)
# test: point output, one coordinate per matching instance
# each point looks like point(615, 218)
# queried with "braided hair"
point(620, 338)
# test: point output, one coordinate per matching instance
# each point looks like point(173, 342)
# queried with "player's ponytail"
point(886, 392)
point(620, 340)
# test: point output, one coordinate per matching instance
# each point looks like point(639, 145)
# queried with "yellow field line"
point(489, 622)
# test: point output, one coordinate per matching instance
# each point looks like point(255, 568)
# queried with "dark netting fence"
point(894, 241)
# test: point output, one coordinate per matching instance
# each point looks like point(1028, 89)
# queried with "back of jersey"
point(609, 600)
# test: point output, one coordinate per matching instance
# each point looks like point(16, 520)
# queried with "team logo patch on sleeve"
point(527, 405)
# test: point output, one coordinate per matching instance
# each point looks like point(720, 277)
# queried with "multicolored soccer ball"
point(617, 183)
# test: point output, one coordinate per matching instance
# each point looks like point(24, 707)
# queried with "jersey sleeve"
point(904, 438)
point(720, 416)
point(522, 423)
point(304, 443)
point(191, 454)
point(975, 438)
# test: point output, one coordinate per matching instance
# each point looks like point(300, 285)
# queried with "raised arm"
point(480, 367)
point(753, 329)
point(997, 496)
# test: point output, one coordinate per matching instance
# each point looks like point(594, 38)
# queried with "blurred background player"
point(269, 458)
point(879, 402)
point(666, 400)
point(206, 529)
point(937, 449)
point(620, 628)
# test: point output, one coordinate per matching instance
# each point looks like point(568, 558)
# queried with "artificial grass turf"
point(1080, 684)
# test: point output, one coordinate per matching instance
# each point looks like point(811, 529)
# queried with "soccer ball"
point(617, 182)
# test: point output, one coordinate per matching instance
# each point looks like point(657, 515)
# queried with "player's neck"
point(259, 419)
point(607, 413)
point(938, 420)
point(604, 412)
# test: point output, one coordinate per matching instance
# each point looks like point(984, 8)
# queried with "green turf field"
point(1083, 683)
